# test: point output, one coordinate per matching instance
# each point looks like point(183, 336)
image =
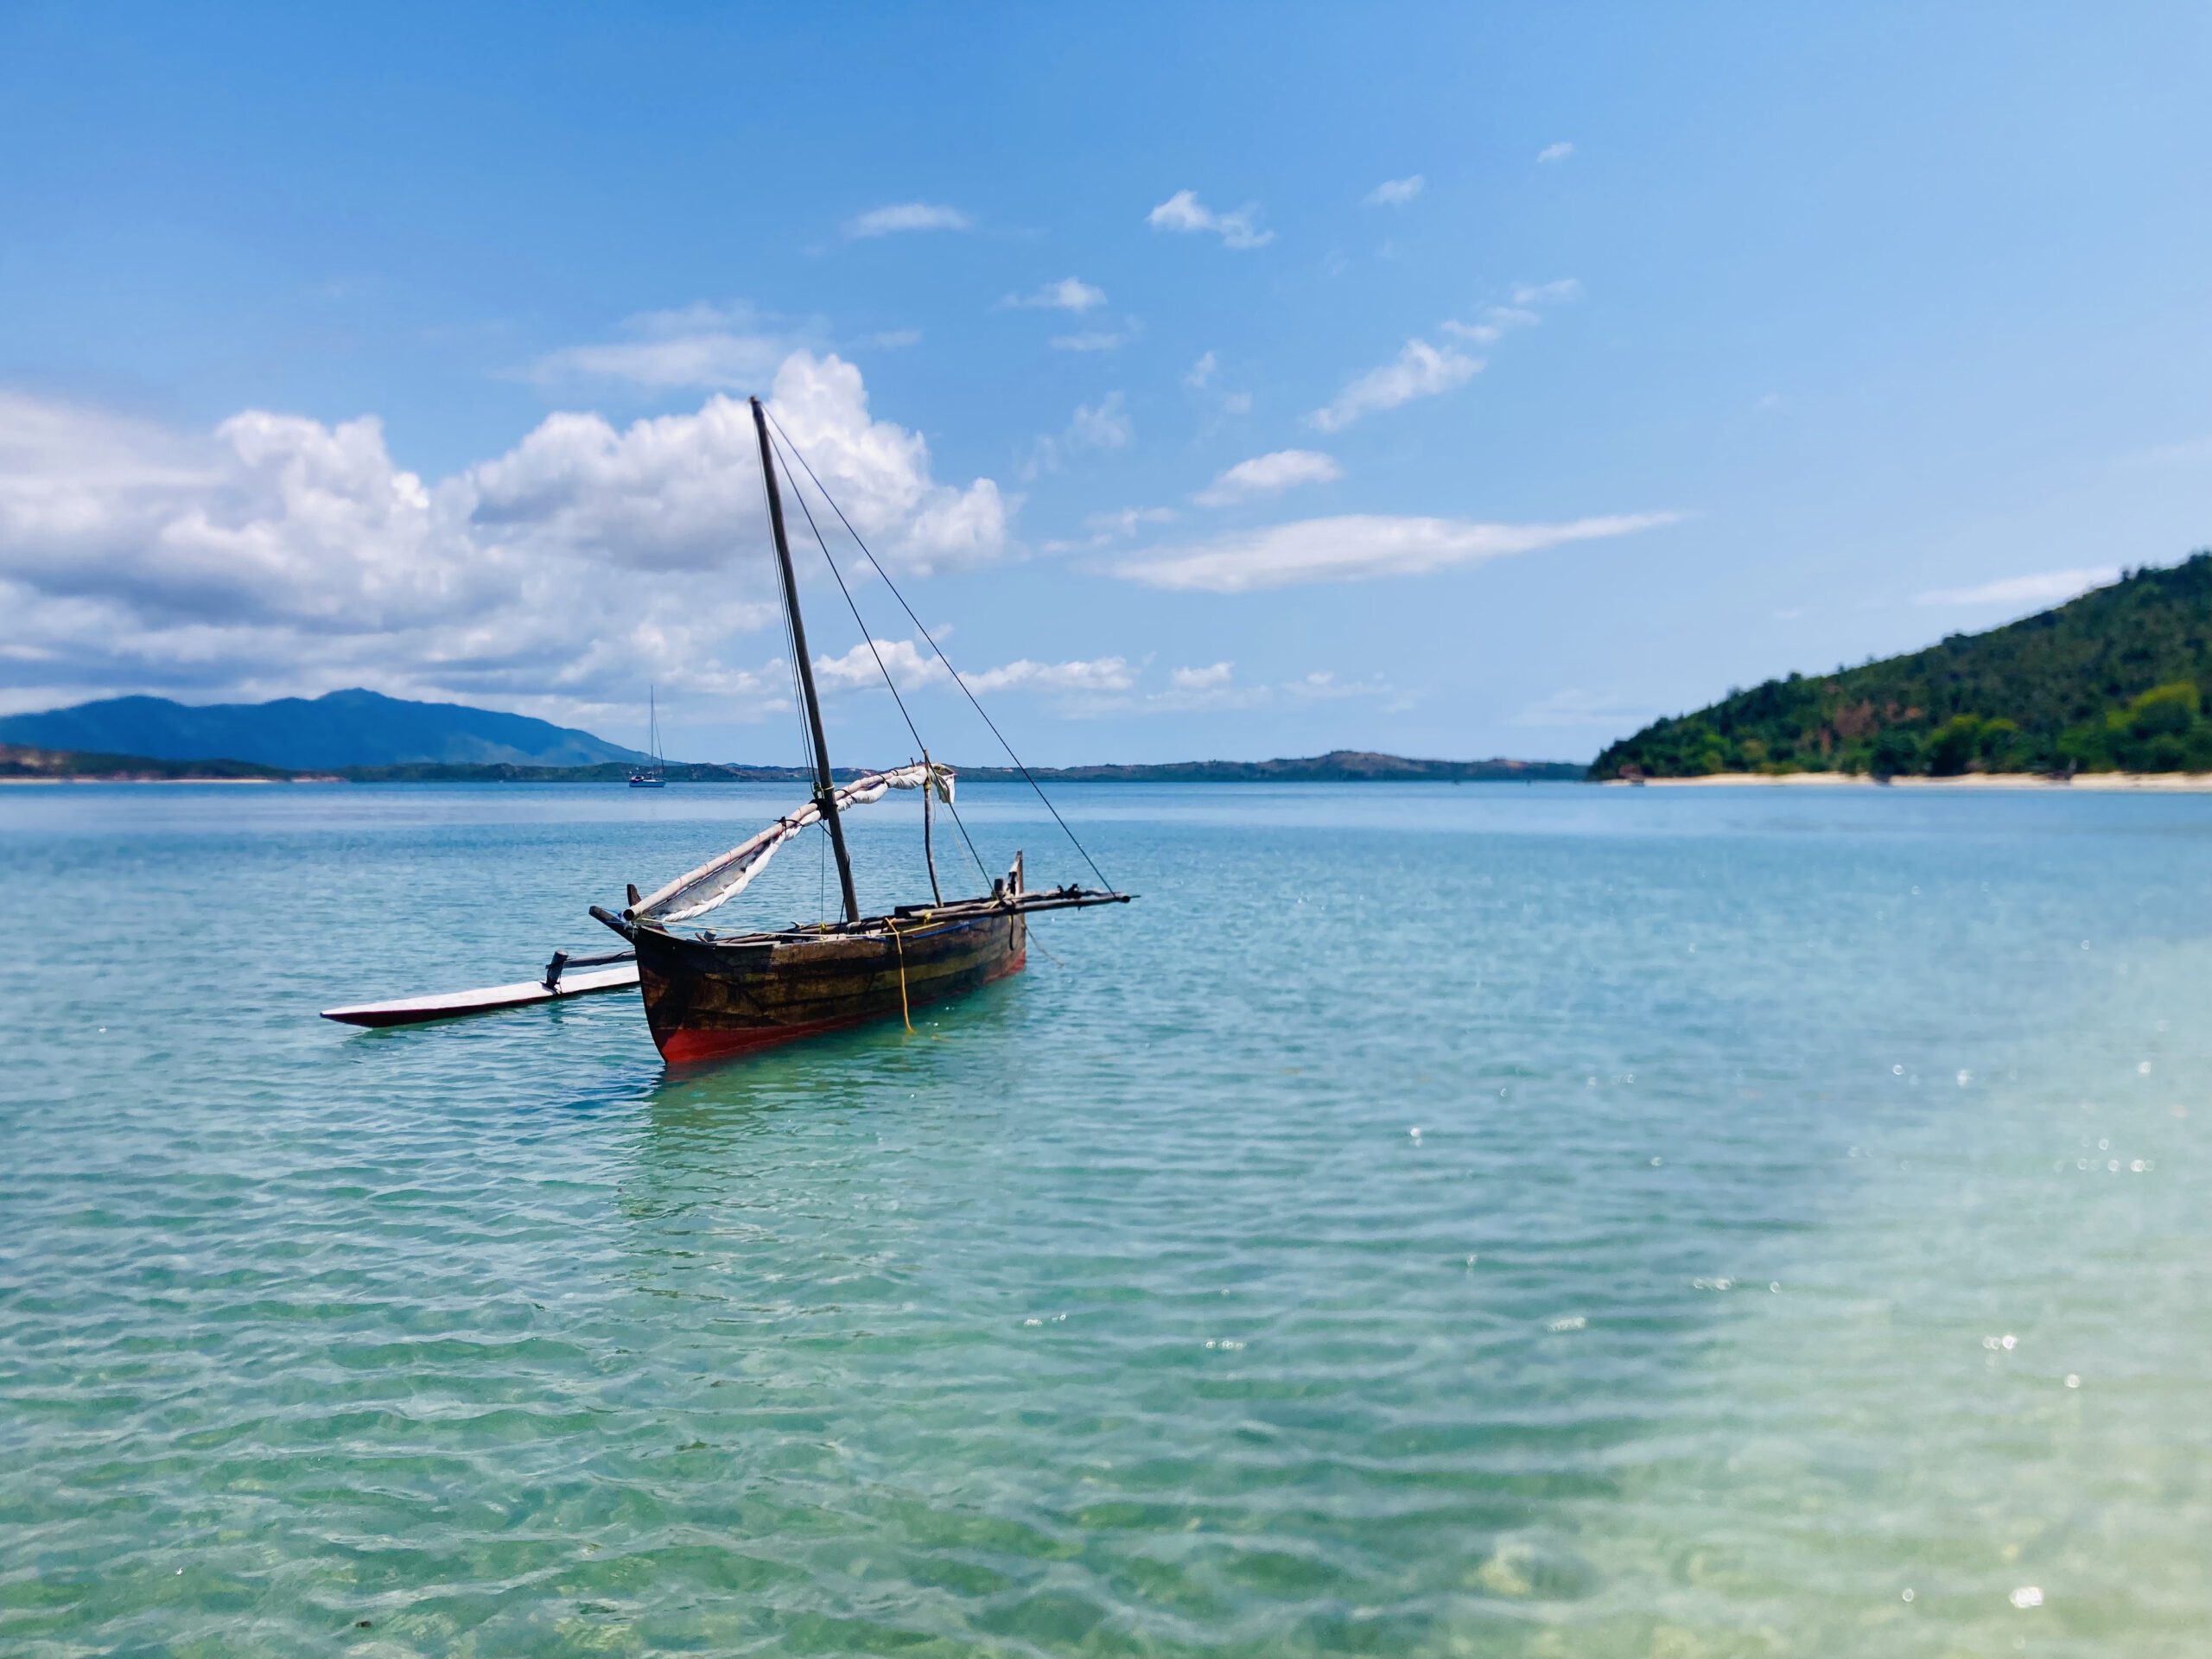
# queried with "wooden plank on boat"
point(414, 1010)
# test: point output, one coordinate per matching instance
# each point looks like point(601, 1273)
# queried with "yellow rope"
point(903, 1012)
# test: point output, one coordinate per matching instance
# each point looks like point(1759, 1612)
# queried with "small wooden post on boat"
point(825, 790)
point(928, 852)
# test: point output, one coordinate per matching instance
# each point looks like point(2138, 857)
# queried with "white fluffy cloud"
point(1396, 193)
point(1094, 340)
point(1184, 211)
point(268, 517)
point(1199, 679)
point(907, 216)
point(1125, 522)
point(695, 345)
point(1102, 425)
point(1214, 689)
point(1498, 321)
point(1419, 371)
point(1270, 475)
point(879, 473)
point(1424, 371)
point(1354, 547)
point(1085, 689)
point(2045, 588)
point(1069, 293)
point(1558, 152)
point(1567, 288)
point(668, 494)
point(910, 666)
point(278, 554)
point(1100, 674)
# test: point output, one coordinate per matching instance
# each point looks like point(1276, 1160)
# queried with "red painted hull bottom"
point(683, 1046)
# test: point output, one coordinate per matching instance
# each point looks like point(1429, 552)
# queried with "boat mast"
point(825, 789)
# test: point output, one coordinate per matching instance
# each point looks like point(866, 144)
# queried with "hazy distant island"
point(22, 764)
point(363, 736)
point(2110, 683)
point(353, 728)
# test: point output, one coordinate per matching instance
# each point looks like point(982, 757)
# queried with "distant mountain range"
point(340, 729)
point(2114, 681)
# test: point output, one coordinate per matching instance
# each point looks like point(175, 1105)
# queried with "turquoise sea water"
point(1482, 1220)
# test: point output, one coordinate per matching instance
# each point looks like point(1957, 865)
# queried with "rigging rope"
point(799, 496)
point(933, 646)
point(905, 1012)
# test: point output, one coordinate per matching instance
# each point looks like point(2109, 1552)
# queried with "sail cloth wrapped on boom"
point(720, 880)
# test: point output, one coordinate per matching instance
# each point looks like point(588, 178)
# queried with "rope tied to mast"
point(799, 496)
point(785, 441)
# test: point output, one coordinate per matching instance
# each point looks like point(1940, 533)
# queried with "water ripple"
point(1120, 1309)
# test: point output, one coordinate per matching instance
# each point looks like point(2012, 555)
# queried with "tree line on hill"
point(2114, 681)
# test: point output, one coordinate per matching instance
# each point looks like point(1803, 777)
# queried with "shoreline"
point(2188, 783)
point(2184, 783)
point(52, 783)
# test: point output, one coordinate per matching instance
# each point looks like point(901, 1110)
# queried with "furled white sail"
point(720, 880)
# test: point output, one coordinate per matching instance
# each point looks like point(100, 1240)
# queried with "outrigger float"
point(708, 994)
point(557, 984)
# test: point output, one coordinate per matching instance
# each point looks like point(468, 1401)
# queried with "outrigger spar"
point(707, 995)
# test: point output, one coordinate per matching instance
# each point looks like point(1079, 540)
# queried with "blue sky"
point(1505, 377)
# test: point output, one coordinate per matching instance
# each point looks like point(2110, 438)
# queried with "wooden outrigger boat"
point(708, 995)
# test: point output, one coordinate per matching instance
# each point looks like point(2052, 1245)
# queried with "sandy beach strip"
point(171, 780)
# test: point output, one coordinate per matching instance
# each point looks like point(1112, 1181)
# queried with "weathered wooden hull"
point(708, 998)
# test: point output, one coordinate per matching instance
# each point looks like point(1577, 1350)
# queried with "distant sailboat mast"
point(654, 776)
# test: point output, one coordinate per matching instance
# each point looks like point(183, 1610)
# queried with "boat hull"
point(706, 999)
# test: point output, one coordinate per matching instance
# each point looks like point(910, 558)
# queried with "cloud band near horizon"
point(1357, 547)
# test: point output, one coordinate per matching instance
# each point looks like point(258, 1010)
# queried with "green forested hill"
point(2116, 680)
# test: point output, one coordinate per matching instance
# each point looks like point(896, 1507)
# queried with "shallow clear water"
point(1489, 1220)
